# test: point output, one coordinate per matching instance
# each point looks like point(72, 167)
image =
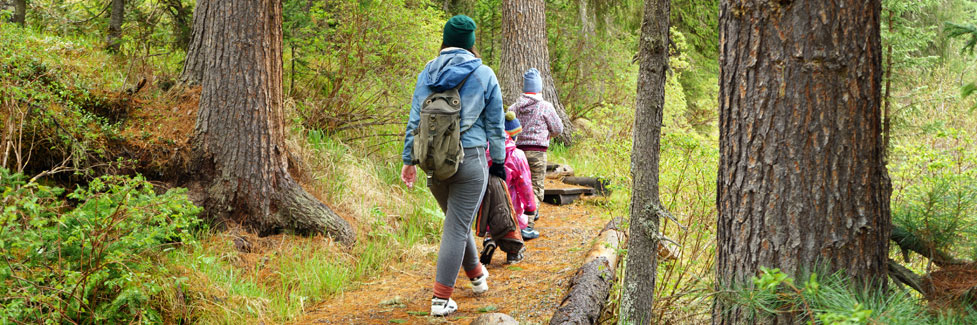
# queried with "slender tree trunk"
point(20, 12)
point(802, 182)
point(201, 41)
point(586, 23)
point(888, 89)
point(239, 153)
point(524, 46)
point(642, 264)
point(112, 42)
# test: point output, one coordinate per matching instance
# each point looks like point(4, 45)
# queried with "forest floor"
point(529, 291)
point(951, 285)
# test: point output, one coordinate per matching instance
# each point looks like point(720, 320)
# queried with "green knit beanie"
point(459, 31)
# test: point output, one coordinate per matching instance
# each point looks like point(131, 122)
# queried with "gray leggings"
point(459, 198)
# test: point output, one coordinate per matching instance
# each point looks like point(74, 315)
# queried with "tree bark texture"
point(888, 89)
point(20, 12)
point(201, 41)
point(592, 283)
point(239, 151)
point(642, 264)
point(112, 41)
point(802, 183)
point(524, 46)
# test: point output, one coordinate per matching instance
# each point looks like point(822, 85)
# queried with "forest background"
point(86, 109)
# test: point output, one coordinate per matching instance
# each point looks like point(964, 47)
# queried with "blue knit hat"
point(531, 82)
point(512, 126)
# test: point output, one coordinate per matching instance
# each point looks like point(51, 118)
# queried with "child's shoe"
point(480, 284)
point(442, 307)
point(529, 233)
point(516, 257)
point(488, 248)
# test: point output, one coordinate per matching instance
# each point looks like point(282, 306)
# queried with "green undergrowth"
point(70, 104)
point(91, 255)
point(933, 164)
point(285, 275)
point(64, 90)
point(47, 86)
point(834, 300)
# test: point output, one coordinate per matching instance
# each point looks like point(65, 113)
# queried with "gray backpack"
point(437, 138)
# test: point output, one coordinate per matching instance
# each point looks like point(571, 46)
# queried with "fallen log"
point(598, 184)
point(668, 250)
point(592, 283)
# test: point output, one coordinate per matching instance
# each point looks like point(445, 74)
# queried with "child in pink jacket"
point(520, 186)
point(518, 179)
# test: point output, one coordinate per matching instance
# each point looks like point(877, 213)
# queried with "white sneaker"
point(442, 307)
point(480, 284)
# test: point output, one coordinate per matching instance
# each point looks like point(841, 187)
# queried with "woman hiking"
point(482, 120)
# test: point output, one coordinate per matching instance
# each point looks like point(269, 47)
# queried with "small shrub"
point(90, 262)
point(935, 191)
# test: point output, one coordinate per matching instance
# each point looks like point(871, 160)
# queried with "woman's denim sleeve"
point(420, 92)
point(494, 119)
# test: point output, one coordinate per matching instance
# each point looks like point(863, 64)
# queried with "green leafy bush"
point(89, 256)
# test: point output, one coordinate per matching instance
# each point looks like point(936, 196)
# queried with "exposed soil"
point(528, 291)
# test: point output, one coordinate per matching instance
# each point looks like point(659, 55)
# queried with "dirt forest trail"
point(529, 291)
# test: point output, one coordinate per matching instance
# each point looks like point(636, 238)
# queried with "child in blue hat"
point(539, 124)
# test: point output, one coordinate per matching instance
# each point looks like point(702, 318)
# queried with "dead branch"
point(904, 275)
point(910, 241)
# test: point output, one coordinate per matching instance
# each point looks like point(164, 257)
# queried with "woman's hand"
point(408, 174)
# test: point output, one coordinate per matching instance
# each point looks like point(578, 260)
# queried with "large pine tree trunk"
point(238, 145)
point(524, 46)
point(642, 264)
point(20, 12)
point(801, 183)
point(112, 42)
